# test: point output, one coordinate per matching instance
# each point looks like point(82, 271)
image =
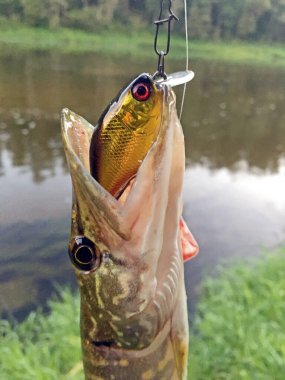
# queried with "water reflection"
point(32, 140)
point(233, 215)
point(33, 259)
point(231, 113)
point(236, 115)
point(234, 128)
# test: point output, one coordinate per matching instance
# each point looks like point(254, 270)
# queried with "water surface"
point(234, 125)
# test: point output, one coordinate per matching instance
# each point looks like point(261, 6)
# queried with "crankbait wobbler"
point(127, 130)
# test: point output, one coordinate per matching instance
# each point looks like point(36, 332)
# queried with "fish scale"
point(117, 159)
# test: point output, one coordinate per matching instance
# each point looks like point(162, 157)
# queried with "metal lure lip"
point(176, 79)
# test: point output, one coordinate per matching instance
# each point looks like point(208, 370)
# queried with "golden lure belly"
point(128, 257)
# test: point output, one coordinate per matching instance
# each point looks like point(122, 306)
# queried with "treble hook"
point(162, 53)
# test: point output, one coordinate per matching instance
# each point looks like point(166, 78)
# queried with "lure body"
point(133, 302)
point(125, 133)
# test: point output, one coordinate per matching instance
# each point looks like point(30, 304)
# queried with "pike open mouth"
point(77, 134)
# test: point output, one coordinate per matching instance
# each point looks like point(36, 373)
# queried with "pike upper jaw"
point(146, 227)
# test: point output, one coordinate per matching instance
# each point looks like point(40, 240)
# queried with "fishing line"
point(187, 57)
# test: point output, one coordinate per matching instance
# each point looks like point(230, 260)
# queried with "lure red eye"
point(141, 92)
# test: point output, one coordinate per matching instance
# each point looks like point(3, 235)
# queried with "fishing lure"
point(128, 239)
point(125, 133)
point(127, 130)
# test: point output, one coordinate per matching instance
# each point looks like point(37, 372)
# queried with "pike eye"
point(83, 254)
point(141, 91)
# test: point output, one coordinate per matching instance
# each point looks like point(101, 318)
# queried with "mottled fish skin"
point(133, 304)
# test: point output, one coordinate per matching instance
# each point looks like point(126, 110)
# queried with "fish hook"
point(160, 73)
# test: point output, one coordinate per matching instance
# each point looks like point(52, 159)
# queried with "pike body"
point(128, 255)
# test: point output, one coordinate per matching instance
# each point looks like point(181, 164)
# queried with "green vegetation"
point(239, 53)
point(20, 37)
point(239, 19)
point(125, 28)
point(44, 347)
point(239, 332)
point(75, 41)
point(240, 325)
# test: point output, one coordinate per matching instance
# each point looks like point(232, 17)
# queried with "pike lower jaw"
point(83, 254)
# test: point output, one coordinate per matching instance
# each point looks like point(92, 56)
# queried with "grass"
point(139, 44)
point(240, 328)
point(237, 52)
point(75, 41)
point(44, 347)
point(239, 332)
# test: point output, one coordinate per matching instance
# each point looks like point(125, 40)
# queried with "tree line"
point(208, 19)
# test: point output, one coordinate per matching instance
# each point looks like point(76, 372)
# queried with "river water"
point(234, 199)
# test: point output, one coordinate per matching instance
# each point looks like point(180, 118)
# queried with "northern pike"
point(128, 252)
